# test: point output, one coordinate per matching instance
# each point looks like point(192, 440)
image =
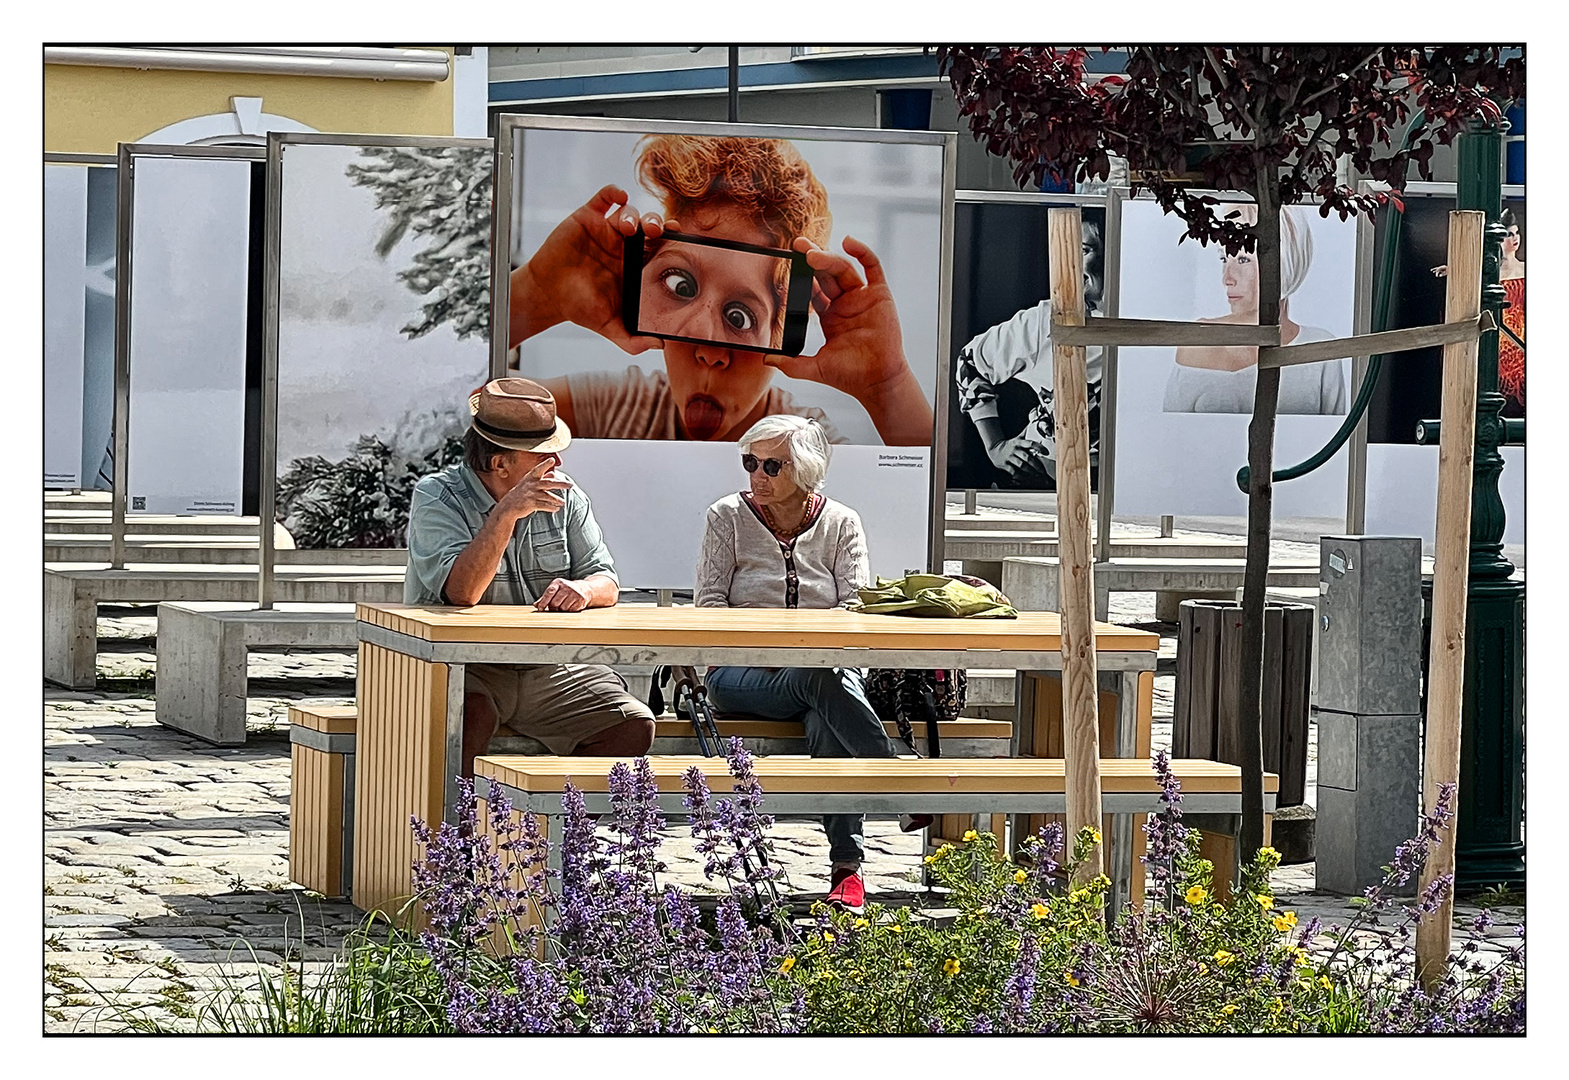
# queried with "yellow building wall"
point(90, 110)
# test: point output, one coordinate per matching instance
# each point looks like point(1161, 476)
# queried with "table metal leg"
point(1127, 714)
point(1122, 869)
point(453, 747)
point(1022, 745)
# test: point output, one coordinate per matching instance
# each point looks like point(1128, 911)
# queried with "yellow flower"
point(950, 967)
point(1285, 921)
point(930, 858)
point(944, 850)
point(1278, 1005)
point(1020, 876)
point(1323, 980)
point(1077, 895)
point(1203, 969)
point(828, 935)
point(784, 968)
point(1040, 911)
point(1196, 895)
point(861, 924)
point(969, 835)
point(897, 928)
point(908, 963)
point(1301, 954)
point(1228, 1009)
point(1102, 881)
point(1068, 975)
point(1222, 957)
point(1265, 902)
point(1094, 836)
point(1269, 855)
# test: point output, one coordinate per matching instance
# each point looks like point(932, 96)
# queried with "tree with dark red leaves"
point(1272, 121)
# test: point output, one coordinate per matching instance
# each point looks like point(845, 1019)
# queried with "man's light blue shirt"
point(446, 513)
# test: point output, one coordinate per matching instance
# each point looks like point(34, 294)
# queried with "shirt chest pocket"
point(551, 555)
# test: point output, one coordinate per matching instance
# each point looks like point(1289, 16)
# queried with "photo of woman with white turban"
point(1221, 378)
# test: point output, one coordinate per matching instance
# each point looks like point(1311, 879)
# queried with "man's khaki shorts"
point(561, 705)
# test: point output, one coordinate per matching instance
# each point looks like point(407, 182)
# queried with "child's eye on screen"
point(680, 283)
point(740, 317)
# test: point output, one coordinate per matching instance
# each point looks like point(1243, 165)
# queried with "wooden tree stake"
point(1446, 660)
point(1080, 720)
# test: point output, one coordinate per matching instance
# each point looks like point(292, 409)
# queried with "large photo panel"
point(1410, 387)
point(1183, 414)
point(194, 231)
point(726, 331)
point(383, 327)
point(79, 272)
point(1002, 430)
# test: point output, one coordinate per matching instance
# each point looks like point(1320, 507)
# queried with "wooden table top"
point(648, 625)
point(781, 773)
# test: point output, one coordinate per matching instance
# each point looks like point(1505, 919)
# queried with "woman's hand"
point(863, 348)
point(575, 276)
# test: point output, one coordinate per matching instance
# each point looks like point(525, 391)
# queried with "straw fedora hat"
point(519, 414)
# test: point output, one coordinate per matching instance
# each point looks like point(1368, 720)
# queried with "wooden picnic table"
point(411, 664)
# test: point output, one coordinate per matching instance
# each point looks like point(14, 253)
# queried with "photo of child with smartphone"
point(745, 306)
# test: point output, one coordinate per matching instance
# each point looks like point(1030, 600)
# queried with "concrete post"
point(1369, 719)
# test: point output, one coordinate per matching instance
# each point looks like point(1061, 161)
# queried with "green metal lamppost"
point(1489, 843)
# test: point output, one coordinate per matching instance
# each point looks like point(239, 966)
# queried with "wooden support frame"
point(1076, 562)
point(1446, 659)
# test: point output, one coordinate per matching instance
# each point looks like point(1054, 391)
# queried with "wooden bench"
point(1211, 792)
point(72, 594)
point(321, 790)
point(321, 797)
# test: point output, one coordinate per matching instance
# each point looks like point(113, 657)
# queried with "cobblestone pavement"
point(166, 858)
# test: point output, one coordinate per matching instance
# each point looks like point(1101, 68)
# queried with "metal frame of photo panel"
point(125, 201)
point(88, 160)
point(506, 126)
point(1361, 317)
point(1356, 486)
point(1111, 256)
point(272, 267)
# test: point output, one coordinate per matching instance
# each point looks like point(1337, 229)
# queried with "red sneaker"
point(847, 889)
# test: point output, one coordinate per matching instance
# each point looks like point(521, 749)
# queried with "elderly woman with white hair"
point(1221, 378)
point(783, 544)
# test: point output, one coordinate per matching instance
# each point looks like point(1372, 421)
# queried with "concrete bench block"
point(202, 651)
point(73, 592)
point(1035, 585)
point(70, 632)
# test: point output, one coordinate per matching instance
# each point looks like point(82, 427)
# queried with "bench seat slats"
point(788, 773)
point(329, 719)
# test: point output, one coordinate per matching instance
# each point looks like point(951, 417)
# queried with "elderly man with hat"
point(506, 526)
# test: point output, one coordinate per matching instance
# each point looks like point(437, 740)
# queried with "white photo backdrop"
point(190, 282)
point(79, 255)
point(1182, 415)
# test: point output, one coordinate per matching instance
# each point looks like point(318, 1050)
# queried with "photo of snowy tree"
point(384, 314)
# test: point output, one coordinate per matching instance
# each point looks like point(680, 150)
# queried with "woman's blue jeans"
point(840, 722)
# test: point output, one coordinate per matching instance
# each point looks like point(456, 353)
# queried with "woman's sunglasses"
point(771, 466)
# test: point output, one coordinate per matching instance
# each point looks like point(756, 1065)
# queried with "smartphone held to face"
point(716, 292)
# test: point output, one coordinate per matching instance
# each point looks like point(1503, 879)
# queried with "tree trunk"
point(1261, 463)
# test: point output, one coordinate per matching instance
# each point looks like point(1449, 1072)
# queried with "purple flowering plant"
point(605, 944)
